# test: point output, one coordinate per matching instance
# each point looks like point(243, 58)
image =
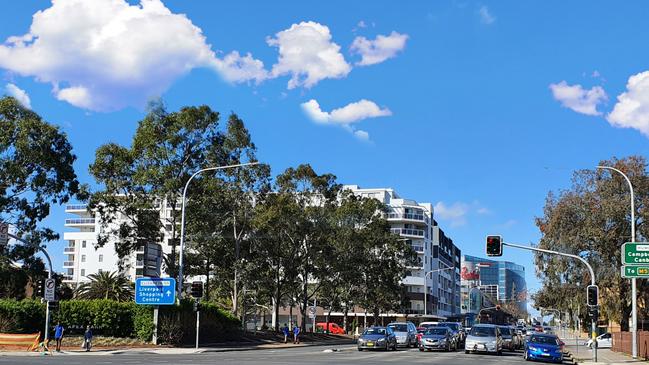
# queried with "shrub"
point(24, 316)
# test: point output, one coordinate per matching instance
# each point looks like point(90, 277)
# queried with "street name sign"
point(635, 253)
point(155, 291)
point(50, 290)
point(635, 271)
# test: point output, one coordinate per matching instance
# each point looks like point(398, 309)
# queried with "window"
point(101, 258)
point(83, 244)
point(100, 271)
point(83, 272)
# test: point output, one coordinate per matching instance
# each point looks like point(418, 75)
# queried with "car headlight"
point(381, 340)
point(494, 342)
point(532, 348)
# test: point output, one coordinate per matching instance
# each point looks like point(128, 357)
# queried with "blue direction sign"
point(155, 291)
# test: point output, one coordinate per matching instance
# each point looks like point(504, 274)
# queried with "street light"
point(634, 295)
point(426, 286)
point(182, 215)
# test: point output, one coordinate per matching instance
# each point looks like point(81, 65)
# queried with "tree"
point(592, 220)
point(106, 285)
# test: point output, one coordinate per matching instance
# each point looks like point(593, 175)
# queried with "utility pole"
point(634, 293)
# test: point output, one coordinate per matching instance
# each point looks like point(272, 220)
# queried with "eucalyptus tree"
point(592, 219)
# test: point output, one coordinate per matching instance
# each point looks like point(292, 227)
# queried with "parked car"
point(457, 330)
point(428, 324)
point(406, 333)
point(484, 338)
point(548, 330)
point(604, 340)
point(543, 347)
point(438, 338)
point(382, 338)
point(334, 328)
point(509, 342)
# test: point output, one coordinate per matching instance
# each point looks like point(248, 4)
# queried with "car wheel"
point(467, 351)
point(421, 349)
point(360, 349)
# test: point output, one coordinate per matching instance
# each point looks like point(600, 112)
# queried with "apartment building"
point(414, 222)
point(83, 257)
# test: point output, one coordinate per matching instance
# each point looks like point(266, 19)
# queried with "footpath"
point(223, 347)
point(581, 354)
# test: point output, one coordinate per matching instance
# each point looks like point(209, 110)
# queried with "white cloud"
point(577, 98)
point(380, 49)
point(632, 107)
point(345, 116)
point(106, 54)
point(308, 55)
point(485, 16)
point(454, 213)
point(19, 94)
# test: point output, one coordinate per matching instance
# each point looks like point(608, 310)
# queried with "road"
point(302, 355)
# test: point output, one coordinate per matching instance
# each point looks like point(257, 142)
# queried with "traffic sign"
point(155, 291)
point(635, 253)
point(50, 290)
point(4, 234)
point(635, 271)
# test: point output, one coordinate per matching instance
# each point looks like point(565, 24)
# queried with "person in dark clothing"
point(87, 339)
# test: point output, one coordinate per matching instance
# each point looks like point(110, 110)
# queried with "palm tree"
point(106, 285)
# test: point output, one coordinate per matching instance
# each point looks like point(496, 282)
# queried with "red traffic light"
point(494, 245)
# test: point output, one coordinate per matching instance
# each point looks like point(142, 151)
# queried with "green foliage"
point(592, 219)
point(25, 316)
point(143, 322)
point(106, 285)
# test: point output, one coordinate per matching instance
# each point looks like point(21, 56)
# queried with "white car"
point(604, 340)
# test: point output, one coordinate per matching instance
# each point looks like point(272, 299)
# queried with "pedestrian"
point(296, 334)
point(87, 339)
point(285, 331)
point(58, 335)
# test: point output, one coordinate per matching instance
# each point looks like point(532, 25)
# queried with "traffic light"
point(197, 289)
point(494, 246)
point(593, 312)
point(53, 305)
point(591, 295)
point(39, 288)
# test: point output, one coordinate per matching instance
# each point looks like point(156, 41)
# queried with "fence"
point(622, 343)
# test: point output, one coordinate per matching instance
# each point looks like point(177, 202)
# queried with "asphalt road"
point(301, 355)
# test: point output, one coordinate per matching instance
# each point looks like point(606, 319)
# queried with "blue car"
point(543, 347)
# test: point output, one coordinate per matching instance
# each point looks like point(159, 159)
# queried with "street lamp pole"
point(182, 216)
point(634, 294)
point(426, 286)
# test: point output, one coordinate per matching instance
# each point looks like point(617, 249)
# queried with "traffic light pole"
point(592, 281)
point(49, 276)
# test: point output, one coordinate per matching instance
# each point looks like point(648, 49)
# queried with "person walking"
point(285, 331)
point(87, 339)
point(58, 335)
point(296, 334)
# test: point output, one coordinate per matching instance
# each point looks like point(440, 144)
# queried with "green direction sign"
point(635, 253)
point(635, 271)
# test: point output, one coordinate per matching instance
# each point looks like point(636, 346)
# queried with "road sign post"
point(155, 291)
point(635, 271)
point(635, 253)
point(49, 294)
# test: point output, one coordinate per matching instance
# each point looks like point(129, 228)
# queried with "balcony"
point(67, 278)
point(417, 217)
point(68, 264)
point(139, 263)
point(69, 249)
point(80, 222)
point(419, 249)
point(76, 208)
point(419, 233)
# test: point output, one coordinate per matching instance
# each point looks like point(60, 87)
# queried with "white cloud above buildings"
point(346, 115)
point(19, 94)
point(632, 107)
point(578, 99)
point(380, 49)
point(456, 214)
point(485, 15)
point(106, 54)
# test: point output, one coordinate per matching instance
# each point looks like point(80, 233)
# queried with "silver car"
point(405, 332)
point(484, 338)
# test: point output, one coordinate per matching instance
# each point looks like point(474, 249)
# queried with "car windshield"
point(374, 331)
point(545, 340)
point(483, 331)
point(399, 327)
point(505, 331)
point(436, 331)
point(453, 326)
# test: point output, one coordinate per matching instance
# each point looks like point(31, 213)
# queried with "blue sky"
point(478, 107)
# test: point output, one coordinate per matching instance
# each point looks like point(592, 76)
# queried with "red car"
point(334, 328)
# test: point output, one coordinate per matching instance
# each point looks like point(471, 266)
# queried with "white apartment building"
point(414, 222)
point(83, 258)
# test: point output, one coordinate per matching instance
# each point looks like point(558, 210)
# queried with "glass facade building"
point(507, 277)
